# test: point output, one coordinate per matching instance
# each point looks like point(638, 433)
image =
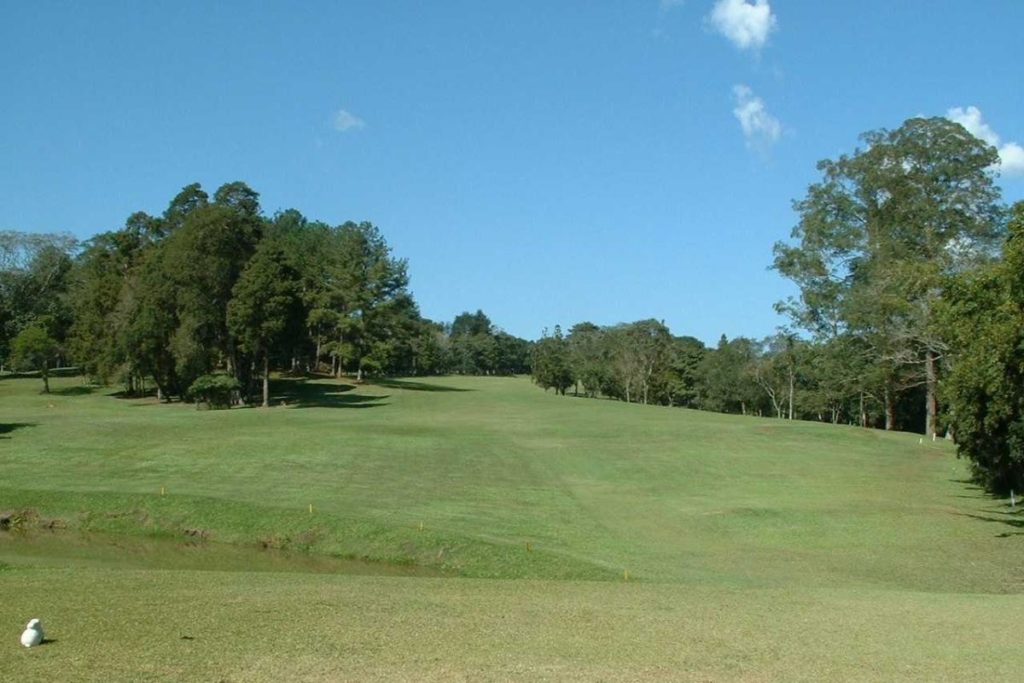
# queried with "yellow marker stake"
point(162, 490)
point(310, 508)
point(421, 526)
point(625, 575)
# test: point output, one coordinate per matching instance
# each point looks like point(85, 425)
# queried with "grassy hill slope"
point(756, 548)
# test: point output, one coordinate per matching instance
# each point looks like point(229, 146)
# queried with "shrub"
point(216, 391)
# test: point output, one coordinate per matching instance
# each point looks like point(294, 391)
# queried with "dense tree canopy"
point(984, 316)
point(876, 237)
point(34, 349)
point(552, 365)
point(35, 272)
point(213, 286)
point(265, 308)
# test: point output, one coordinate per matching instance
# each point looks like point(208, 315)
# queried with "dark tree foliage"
point(101, 295)
point(430, 350)
point(552, 367)
point(35, 273)
point(469, 324)
point(190, 198)
point(214, 391)
point(214, 289)
point(34, 349)
point(728, 383)
point(680, 380)
point(984, 315)
point(477, 347)
point(638, 361)
point(265, 308)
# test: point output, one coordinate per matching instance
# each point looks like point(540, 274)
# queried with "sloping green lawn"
point(756, 549)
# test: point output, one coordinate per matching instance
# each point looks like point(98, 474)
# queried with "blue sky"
point(546, 161)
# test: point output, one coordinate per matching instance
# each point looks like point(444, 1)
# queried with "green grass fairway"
point(478, 528)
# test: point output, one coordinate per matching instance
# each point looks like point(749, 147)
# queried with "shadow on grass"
point(54, 372)
point(8, 427)
point(409, 385)
point(83, 390)
point(150, 392)
point(299, 393)
point(1010, 518)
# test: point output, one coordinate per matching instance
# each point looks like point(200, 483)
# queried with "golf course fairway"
point(462, 528)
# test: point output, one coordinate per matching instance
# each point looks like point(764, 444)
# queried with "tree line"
point(910, 313)
point(210, 296)
point(783, 376)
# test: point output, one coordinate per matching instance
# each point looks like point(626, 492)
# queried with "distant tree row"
point(213, 286)
point(35, 315)
point(908, 317)
point(476, 347)
point(781, 376)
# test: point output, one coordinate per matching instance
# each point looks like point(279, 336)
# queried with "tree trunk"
point(341, 340)
point(930, 400)
point(890, 410)
point(792, 383)
point(266, 379)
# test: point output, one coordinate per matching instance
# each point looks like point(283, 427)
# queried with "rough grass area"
point(756, 549)
point(222, 626)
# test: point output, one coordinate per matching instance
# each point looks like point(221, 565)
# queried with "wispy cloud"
point(760, 128)
point(1011, 154)
point(345, 121)
point(746, 24)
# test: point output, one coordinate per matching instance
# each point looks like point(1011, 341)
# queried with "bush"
point(216, 391)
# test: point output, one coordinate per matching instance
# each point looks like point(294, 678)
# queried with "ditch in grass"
point(59, 548)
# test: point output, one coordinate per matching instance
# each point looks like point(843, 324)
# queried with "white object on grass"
point(33, 634)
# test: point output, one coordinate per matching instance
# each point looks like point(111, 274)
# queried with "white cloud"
point(760, 128)
point(1011, 157)
point(1011, 154)
point(345, 121)
point(970, 118)
point(745, 24)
